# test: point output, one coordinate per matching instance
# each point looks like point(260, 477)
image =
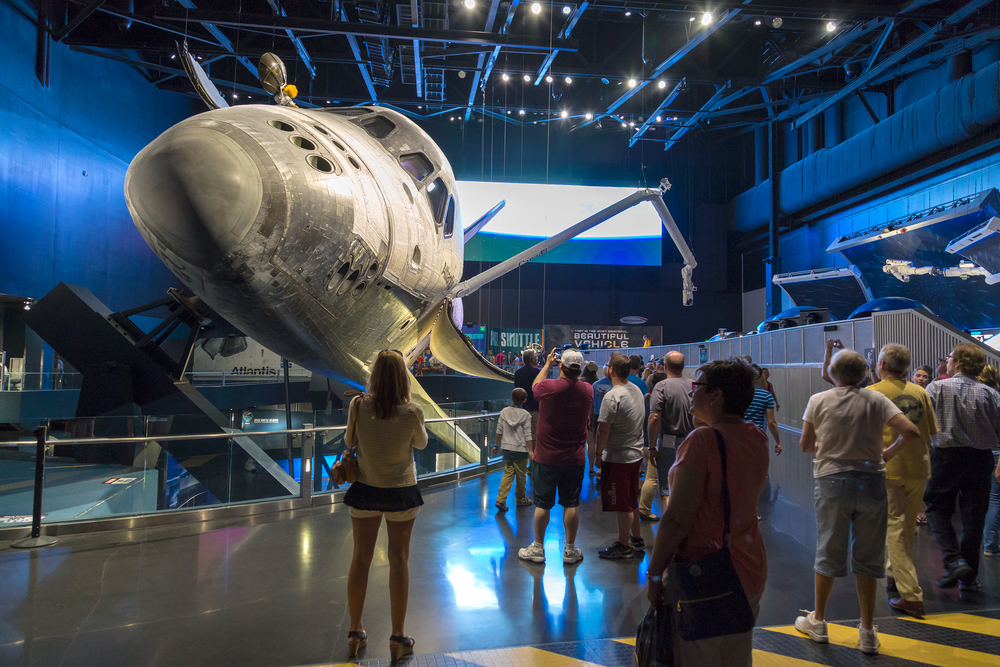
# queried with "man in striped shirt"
point(761, 411)
point(968, 416)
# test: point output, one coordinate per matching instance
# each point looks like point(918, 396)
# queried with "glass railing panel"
point(43, 381)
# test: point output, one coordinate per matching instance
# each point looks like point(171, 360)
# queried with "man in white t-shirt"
point(843, 428)
point(620, 440)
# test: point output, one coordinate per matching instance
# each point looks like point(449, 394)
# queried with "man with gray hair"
point(968, 414)
point(670, 421)
point(843, 427)
point(906, 472)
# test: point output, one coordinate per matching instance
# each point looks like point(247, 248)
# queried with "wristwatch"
point(656, 578)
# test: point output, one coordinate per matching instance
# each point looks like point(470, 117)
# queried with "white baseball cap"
point(572, 359)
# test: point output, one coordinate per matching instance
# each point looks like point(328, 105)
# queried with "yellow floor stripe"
point(627, 640)
point(901, 647)
point(525, 656)
point(765, 659)
point(966, 622)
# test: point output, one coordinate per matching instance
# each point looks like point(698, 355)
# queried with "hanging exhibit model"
point(324, 234)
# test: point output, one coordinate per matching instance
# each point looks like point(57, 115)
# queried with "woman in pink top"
point(692, 525)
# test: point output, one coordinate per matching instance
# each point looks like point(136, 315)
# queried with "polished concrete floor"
point(272, 591)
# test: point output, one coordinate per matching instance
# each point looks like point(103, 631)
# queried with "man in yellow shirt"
point(906, 471)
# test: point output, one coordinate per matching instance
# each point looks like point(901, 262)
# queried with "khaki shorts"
point(407, 515)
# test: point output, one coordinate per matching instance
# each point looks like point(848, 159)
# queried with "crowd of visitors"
point(884, 440)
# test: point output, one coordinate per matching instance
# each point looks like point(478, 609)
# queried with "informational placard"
point(600, 337)
point(120, 480)
point(512, 341)
point(15, 519)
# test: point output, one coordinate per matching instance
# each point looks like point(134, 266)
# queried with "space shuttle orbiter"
point(326, 235)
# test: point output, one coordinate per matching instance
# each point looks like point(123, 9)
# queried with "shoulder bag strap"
point(725, 485)
point(352, 420)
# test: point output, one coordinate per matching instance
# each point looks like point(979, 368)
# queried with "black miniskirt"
point(377, 499)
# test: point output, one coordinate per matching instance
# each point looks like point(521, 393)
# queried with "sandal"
point(402, 648)
point(354, 647)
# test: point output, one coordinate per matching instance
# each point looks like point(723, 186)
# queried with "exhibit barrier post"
point(484, 444)
point(305, 465)
point(37, 539)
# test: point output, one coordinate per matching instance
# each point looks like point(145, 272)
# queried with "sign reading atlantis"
point(598, 337)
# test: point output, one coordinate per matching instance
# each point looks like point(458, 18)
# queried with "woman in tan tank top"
point(385, 427)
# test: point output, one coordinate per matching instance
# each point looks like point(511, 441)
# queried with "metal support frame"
point(563, 34)
point(79, 18)
point(663, 105)
point(835, 44)
point(36, 538)
point(710, 105)
point(867, 105)
point(43, 42)
point(863, 79)
point(877, 47)
point(300, 48)
point(365, 74)
point(773, 263)
point(670, 61)
point(223, 41)
point(491, 62)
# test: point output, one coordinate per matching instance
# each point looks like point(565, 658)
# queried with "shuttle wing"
point(479, 224)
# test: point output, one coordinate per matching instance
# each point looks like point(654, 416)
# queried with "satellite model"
point(326, 235)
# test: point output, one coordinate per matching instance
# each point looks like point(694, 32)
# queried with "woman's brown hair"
point(389, 385)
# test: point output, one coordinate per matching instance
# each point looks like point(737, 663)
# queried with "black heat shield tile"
point(841, 291)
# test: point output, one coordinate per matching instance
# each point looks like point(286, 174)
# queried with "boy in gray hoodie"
point(515, 439)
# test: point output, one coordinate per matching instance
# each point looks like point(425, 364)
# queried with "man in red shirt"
point(560, 456)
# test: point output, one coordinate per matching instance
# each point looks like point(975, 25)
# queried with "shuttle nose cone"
point(195, 192)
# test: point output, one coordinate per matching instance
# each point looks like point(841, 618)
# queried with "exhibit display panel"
point(533, 212)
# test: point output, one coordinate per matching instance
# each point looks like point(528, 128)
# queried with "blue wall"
point(57, 224)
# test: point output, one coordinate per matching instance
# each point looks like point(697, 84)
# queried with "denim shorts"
point(665, 457)
point(852, 513)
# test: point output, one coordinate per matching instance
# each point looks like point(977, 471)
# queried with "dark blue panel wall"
point(58, 224)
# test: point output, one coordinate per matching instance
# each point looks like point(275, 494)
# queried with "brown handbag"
point(346, 469)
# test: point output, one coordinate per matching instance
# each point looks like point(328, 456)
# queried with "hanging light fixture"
point(564, 113)
point(548, 79)
point(589, 116)
point(831, 26)
point(632, 83)
point(470, 4)
point(566, 9)
point(527, 78)
point(569, 79)
point(661, 84)
point(505, 76)
point(536, 8)
point(706, 18)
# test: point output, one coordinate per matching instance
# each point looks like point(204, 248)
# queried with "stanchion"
point(37, 539)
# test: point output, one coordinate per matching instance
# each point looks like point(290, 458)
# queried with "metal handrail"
point(210, 436)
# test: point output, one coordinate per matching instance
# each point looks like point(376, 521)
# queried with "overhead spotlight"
point(505, 76)
point(199, 57)
point(661, 84)
point(624, 125)
point(830, 26)
point(470, 4)
point(548, 79)
point(27, 304)
point(675, 117)
point(589, 116)
point(569, 79)
point(536, 8)
point(328, 101)
point(564, 113)
point(527, 78)
point(659, 119)
point(632, 83)
point(776, 22)
point(691, 19)
point(628, 12)
point(521, 112)
point(567, 9)
point(706, 18)
point(235, 96)
point(508, 112)
point(173, 55)
point(632, 124)
point(419, 107)
point(598, 124)
point(757, 22)
point(461, 74)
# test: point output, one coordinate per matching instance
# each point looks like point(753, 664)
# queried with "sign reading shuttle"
point(614, 336)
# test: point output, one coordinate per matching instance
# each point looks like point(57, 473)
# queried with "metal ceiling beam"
point(947, 50)
point(838, 42)
point(481, 75)
point(663, 105)
point(492, 61)
point(687, 125)
point(365, 74)
point(325, 27)
point(224, 41)
point(418, 66)
point(299, 46)
point(859, 82)
point(673, 59)
point(768, 104)
point(77, 19)
point(879, 43)
point(563, 34)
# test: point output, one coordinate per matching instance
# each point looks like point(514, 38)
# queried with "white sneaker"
point(534, 552)
point(869, 640)
point(815, 630)
point(571, 554)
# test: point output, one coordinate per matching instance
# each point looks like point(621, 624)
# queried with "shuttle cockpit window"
point(379, 127)
point(349, 111)
point(449, 219)
point(417, 164)
point(437, 195)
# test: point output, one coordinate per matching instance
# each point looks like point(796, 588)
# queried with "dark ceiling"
point(654, 69)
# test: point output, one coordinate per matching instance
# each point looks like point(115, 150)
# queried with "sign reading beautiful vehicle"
point(597, 337)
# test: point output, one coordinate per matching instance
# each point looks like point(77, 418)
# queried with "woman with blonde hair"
point(386, 427)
